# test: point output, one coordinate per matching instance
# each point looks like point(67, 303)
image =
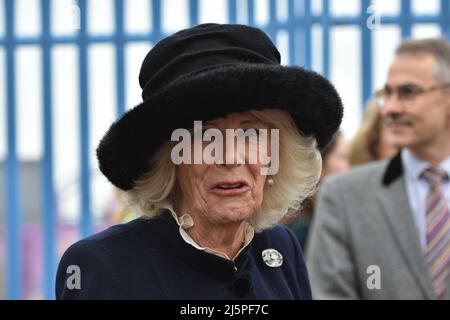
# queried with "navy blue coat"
point(148, 259)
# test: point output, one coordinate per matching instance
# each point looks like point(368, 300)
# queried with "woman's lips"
point(225, 189)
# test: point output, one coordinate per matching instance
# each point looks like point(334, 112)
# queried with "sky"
point(345, 73)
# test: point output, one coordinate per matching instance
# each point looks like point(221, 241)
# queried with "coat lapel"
point(394, 202)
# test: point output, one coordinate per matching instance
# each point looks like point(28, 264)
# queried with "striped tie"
point(438, 230)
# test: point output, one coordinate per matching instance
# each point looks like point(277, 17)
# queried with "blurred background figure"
point(334, 160)
point(373, 141)
point(335, 156)
point(382, 230)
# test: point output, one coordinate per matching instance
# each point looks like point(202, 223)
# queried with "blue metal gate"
point(300, 53)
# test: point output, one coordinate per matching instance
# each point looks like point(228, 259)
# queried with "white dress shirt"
point(417, 188)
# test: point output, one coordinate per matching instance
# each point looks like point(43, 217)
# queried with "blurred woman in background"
point(373, 140)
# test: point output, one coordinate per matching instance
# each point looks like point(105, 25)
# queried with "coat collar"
point(198, 259)
point(394, 170)
point(186, 221)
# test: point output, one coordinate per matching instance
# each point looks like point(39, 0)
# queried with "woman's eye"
point(250, 132)
point(202, 132)
point(211, 133)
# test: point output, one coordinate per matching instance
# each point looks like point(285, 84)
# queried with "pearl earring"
point(269, 182)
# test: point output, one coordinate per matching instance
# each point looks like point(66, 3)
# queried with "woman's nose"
point(233, 155)
point(230, 166)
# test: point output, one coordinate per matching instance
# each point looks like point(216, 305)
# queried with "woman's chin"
point(232, 213)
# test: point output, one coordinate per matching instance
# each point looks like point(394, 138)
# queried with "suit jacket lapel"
point(394, 202)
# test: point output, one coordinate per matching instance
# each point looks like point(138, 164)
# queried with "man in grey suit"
point(382, 231)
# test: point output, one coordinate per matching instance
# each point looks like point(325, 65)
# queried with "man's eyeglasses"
point(406, 93)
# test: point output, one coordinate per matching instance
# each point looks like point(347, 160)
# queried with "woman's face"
point(224, 193)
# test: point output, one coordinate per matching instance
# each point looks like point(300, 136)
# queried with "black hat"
point(206, 72)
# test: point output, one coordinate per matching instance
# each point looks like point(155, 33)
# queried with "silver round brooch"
point(272, 258)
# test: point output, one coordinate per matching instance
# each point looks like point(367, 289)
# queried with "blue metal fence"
point(300, 53)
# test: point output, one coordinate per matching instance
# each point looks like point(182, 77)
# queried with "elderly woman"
point(208, 229)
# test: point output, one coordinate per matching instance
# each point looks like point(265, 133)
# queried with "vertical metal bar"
point(272, 28)
point(251, 12)
point(232, 11)
point(292, 33)
point(86, 223)
point(405, 20)
point(48, 192)
point(156, 21)
point(307, 31)
point(366, 60)
point(13, 208)
point(445, 18)
point(326, 37)
point(193, 12)
point(120, 43)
